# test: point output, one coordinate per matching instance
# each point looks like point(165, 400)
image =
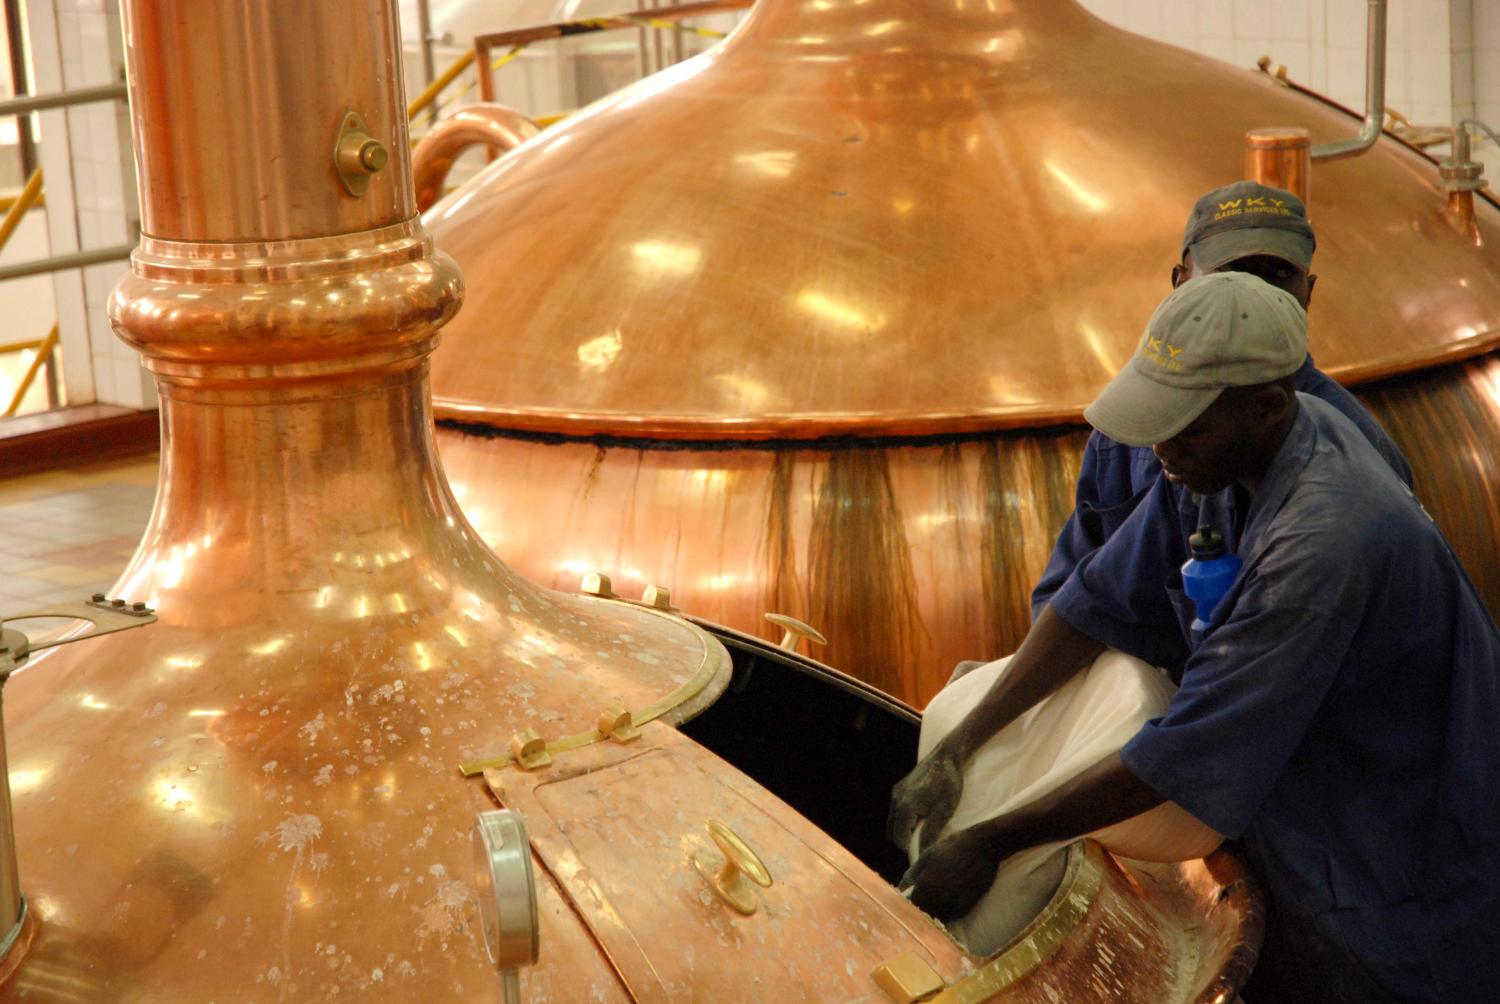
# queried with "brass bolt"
point(357, 155)
point(373, 156)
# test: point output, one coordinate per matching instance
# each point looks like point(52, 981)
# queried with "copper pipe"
point(495, 127)
point(1280, 158)
point(188, 146)
point(1460, 210)
point(1462, 176)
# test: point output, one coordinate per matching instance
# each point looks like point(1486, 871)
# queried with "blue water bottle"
point(1207, 575)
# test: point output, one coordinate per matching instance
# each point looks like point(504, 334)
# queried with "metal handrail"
point(63, 99)
point(58, 263)
point(44, 352)
point(664, 18)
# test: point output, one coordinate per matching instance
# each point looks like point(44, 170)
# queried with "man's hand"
point(949, 879)
point(926, 797)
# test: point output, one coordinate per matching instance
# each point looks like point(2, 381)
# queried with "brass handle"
point(740, 863)
point(795, 631)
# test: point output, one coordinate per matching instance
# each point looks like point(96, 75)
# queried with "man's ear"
point(1312, 281)
point(1273, 402)
point(1179, 275)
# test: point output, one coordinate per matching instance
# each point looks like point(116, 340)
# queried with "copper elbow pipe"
point(494, 126)
point(1281, 158)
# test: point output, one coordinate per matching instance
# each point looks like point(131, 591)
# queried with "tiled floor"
point(68, 533)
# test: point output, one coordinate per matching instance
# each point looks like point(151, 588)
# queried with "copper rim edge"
point(856, 425)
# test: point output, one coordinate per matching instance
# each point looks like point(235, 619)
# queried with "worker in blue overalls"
point(1336, 704)
point(1243, 227)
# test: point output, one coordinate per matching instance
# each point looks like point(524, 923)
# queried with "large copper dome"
point(808, 322)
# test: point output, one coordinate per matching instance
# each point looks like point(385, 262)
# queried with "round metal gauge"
point(507, 888)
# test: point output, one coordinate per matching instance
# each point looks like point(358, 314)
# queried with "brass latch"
point(907, 978)
point(616, 723)
point(658, 598)
point(598, 584)
point(793, 631)
point(530, 749)
point(740, 863)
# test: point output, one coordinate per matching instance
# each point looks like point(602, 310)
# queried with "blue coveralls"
point(1113, 478)
point(1339, 715)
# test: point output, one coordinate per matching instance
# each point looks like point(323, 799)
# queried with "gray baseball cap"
point(1248, 218)
point(1227, 329)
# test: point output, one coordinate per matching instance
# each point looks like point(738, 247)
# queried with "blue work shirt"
point(1340, 713)
point(1113, 478)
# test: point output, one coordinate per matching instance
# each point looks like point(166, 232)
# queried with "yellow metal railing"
point(21, 206)
point(9, 199)
point(664, 19)
point(43, 353)
point(427, 97)
point(31, 343)
point(28, 198)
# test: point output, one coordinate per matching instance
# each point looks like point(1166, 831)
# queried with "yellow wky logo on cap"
point(1252, 204)
point(1162, 354)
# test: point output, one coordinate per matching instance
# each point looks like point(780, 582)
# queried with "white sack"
point(1088, 718)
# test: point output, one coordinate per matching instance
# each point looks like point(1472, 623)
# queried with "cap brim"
point(1137, 411)
point(1217, 250)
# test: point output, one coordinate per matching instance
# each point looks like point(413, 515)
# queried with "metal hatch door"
point(619, 829)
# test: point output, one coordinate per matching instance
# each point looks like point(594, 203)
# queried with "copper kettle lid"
point(896, 217)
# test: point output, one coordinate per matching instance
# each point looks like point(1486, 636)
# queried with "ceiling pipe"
point(1374, 93)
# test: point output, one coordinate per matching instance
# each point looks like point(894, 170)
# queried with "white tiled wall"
point(1443, 56)
point(91, 195)
point(1485, 15)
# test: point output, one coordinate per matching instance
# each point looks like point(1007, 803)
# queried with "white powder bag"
point(1088, 718)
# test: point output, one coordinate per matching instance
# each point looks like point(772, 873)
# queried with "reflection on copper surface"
point(935, 228)
point(1459, 484)
point(907, 557)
